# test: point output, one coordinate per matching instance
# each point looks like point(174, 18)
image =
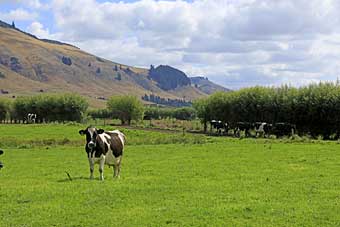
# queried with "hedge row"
point(183, 113)
point(66, 107)
point(314, 109)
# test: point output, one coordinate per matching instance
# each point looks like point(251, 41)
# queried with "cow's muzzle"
point(91, 145)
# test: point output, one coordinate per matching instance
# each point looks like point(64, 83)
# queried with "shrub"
point(4, 109)
point(65, 107)
point(125, 108)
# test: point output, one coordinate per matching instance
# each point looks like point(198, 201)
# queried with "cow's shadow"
point(73, 179)
point(78, 179)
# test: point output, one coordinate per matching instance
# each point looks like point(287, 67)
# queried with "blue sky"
point(235, 43)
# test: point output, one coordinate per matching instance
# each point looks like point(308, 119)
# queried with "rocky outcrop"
point(168, 78)
point(14, 64)
point(66, 60)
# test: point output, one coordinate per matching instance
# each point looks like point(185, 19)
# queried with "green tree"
point(4, 109)
point(126, 108)
point(184, 113)
point(202, 110)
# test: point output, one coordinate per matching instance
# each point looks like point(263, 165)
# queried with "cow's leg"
point(237, 132)
point(116, 170)
point(101, 167)
point(91, 162)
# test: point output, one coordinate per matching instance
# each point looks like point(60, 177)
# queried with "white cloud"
point(36, 5)
point(38, 30)
point(235, 43)
point(18, 15)
point(32, 4)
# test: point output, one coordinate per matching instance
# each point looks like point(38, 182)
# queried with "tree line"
point(127, 108)
point(313, 109)
point(49, 108)
point(70, 107)
point(166, 101)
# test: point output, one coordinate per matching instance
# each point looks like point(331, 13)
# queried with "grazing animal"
point(262, 129)
point(31, 118)
point(219, 126)
point(284, 129)
point(104, 147)
point(1, 165)
point(243, 126)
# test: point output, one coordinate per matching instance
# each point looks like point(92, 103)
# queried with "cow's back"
point(116, 141)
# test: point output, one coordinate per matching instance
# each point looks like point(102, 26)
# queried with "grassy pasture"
point(168, 179)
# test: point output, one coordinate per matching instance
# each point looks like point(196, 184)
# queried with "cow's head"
point(91, 136)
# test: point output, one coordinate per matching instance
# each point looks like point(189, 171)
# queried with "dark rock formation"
point(66, 60)
point(99, 59)
point(168, 78)
point(14, 64)
point(39, 73)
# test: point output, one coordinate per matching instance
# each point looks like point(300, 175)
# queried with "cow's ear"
point(82, 132)
point(100, 131)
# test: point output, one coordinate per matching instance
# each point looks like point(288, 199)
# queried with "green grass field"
point(167, 179)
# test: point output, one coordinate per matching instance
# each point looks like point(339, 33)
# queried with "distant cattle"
point(104, 147)
point(1, 165)
point(283, 129)
point(243, 126)
point(31, 118)
point(220, 126)
point(262, 129)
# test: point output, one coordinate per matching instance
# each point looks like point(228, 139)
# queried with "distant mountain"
point(168, 78)
point(206, 86)
point(29, 65)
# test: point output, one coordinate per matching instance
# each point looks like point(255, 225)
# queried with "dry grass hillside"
point(30, 66)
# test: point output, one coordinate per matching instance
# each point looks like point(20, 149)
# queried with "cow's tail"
point(123, 137)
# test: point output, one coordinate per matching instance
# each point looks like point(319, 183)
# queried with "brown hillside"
point(33, 66)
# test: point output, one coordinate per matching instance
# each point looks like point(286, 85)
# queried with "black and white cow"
point(262, 129)
point(1, 165)
point(31, 118)
point(284, 129)
point(104, 147)
point(219, 126)
point(243, 126)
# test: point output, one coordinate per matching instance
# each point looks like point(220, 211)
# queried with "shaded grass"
point(42, 135)
point(23, 136)
point(226, 183)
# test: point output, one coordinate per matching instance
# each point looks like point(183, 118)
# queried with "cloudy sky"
point(235, 43)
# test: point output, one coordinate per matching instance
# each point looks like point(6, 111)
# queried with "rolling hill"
point(206, 86)
point(29, 65)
